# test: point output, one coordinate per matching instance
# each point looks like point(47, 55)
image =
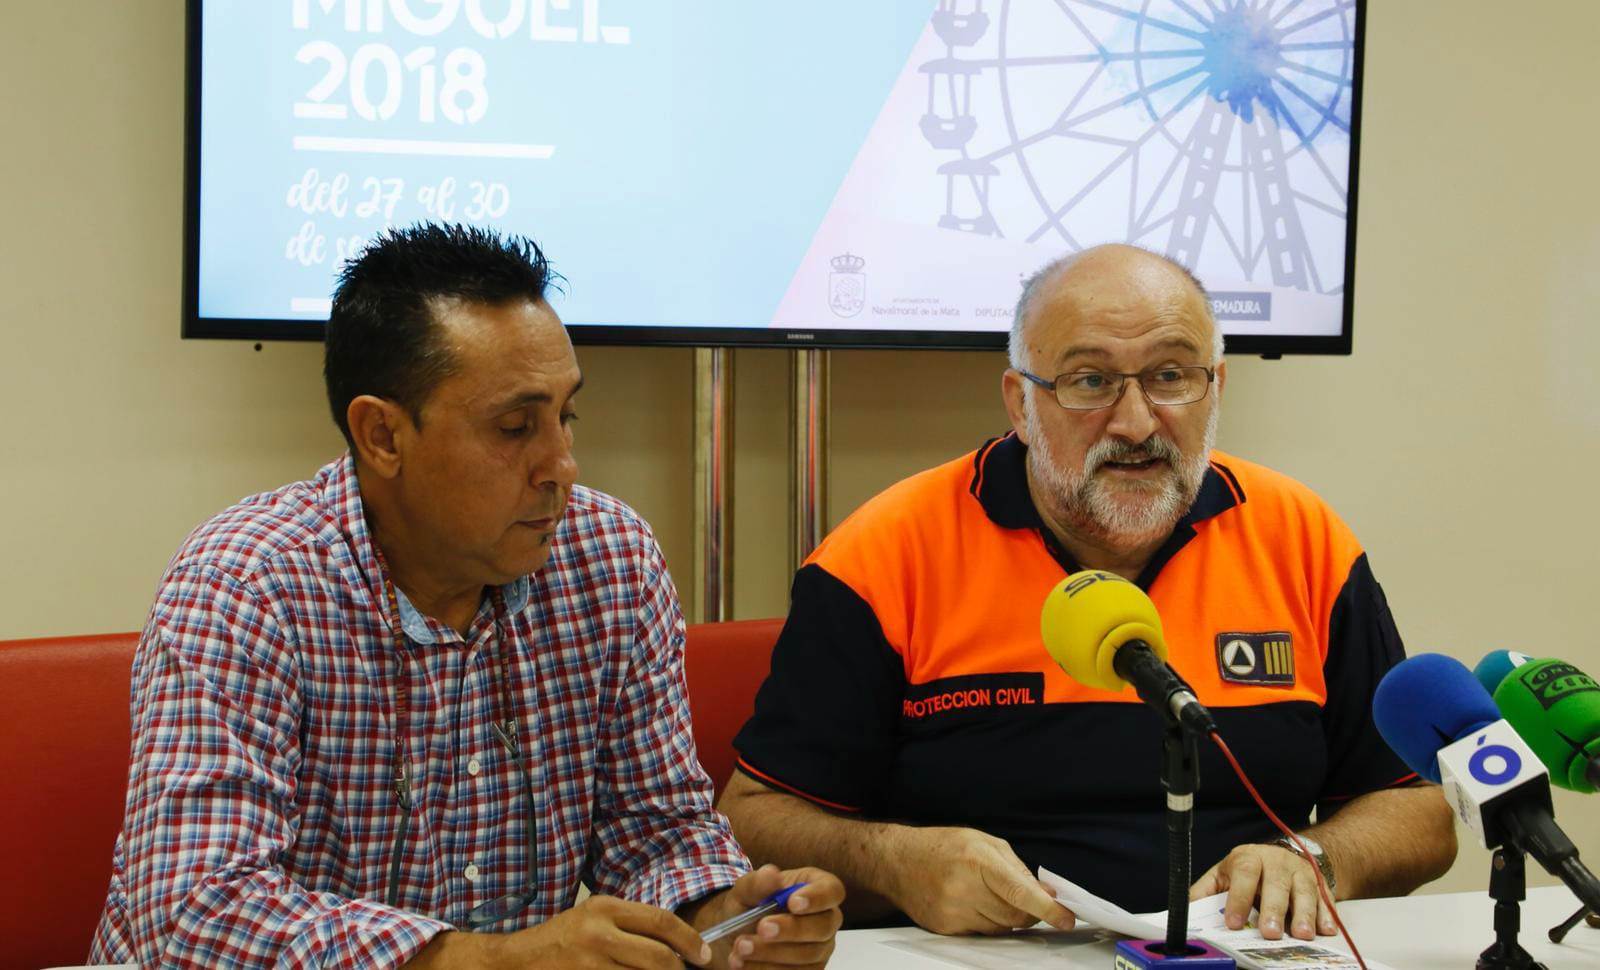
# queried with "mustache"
point(1154, 448)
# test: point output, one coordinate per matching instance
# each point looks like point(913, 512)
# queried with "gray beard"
point(1078, 498)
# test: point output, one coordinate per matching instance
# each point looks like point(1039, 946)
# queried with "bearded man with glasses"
point(399, 713)
point(915, 737)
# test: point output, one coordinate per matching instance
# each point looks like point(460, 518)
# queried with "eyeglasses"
point(509, 905)
point(501, 907)
point(1091, 390)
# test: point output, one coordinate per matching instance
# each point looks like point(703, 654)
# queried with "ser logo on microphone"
point(1088, 578)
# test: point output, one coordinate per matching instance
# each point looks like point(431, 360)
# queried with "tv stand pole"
point(808, 453)
point(713, 484)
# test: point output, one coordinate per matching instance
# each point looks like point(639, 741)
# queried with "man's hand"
point(603, 931)
point(958, 881)
point(1279, 883)
point(600, 932)
point(801, 936)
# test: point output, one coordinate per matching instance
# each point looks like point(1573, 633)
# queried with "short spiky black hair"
point(383, 335)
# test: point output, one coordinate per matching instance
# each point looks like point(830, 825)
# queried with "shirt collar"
point(1000, 484)
point(342, 497)
point(422, 630)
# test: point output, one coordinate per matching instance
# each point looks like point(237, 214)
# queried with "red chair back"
point(64, 764)
point(64, 759)
point(725, 664)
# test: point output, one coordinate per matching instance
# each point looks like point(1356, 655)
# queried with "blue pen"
point(734, 924)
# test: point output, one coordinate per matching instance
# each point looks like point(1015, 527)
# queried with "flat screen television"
point(827, 173)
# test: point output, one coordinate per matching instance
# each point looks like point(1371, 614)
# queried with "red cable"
point(1316, 870)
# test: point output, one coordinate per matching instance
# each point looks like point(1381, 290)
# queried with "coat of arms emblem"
point(847, 285)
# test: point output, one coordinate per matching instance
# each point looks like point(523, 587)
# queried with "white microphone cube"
point(1485, 769)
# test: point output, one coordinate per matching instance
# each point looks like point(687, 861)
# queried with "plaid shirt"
point(261, 815)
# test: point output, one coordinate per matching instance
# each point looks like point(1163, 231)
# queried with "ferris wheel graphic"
point(1214, 130)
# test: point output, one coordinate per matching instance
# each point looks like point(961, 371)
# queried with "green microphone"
point(1555, 707)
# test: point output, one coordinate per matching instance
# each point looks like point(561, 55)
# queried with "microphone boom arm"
point(1536, 833)
point(1160, 686)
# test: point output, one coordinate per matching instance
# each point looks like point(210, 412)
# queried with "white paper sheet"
point(1091, 908)
point(1205, 922)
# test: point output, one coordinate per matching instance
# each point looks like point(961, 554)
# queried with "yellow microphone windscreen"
point(1088, 616)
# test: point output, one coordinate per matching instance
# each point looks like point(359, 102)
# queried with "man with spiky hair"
point(397, 714)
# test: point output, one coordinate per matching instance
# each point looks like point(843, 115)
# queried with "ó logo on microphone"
point(1494, 764)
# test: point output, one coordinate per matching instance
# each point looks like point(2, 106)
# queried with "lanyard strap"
point(506, 726)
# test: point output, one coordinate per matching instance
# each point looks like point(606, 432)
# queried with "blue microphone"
point(1496, 666)
point(1437, 717)
point(1426, 702)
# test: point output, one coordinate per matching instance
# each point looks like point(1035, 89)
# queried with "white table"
point(1443, 932)
point(1440, 932)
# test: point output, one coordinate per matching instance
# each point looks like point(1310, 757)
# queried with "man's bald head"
point(1119, 474)
point(1114, 275)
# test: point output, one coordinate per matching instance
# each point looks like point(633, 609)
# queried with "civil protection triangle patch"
point(1265, 659)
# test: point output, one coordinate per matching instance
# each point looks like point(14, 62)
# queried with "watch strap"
point(1317, 855)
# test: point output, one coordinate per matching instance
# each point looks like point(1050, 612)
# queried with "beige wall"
point(1460, 440)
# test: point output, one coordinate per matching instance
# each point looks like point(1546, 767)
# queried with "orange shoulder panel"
point(1286, 508)
point(882, 548)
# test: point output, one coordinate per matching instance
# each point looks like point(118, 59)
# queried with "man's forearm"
point(453, 949)
point(1387, 843)
point(790, 832)
point(264, 915)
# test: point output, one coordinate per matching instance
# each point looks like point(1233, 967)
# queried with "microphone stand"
point(1180, 776)
point(1559, 932)
point(1508, 885)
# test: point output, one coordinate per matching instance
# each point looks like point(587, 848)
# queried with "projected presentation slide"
point(892, 165)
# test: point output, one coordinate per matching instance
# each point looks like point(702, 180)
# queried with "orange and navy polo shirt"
point(910, 681)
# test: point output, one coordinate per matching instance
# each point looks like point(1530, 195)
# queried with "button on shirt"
point(261, 814)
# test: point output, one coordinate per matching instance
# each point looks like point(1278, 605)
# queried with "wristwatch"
point(1317, 854)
